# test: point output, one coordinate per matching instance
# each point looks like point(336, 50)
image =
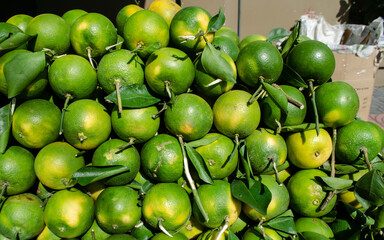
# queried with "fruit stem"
point(290, 99)
point(113, 45)
point(364, 151)
point(118, 96)
point(167, 89)
point(67, 98)
point(333, 170)
point(131, 142)
point(161, 110)
point(93, 234)
point(259, 91)
point(160, 220)
point(3, 189)
point(276, 172)
point(223, 228)
point(279, 127)
point(89, 53)
point(190, 180)
point(13, 105)
point(313, 100)
point(217, 81)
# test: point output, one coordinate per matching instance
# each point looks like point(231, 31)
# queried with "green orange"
point(252, 234)
point(162, 159)
point(166, 8)
point(123, 15)
point(259, 60)
point(228, 32)
point(313, 60)
point(309, 225)
point(266, 150)
point(56, 163)
point(36, 123)
point(117, 209)
point(86, 124)
point(145, 29)
point(216, 155)
point(20, 20)
point(95, 230)
point(17, 173)
point(169, 68)
point(167, 204)
point(226, 45)
point(21, 216)
point(190, 116)
point(186, 24)
point(279, 202)
point(108, 153)
point(250, 38)
point(51, 31)
point(307, 194)
point(232, 115)
point(69, 213)
point(70, 16)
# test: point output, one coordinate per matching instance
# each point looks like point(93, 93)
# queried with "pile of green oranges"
point(164, 125)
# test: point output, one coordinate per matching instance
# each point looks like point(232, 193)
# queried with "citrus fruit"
point(47, 234)
point(72, 76)
point(307, 195)
point(108, 153)
point(166, 205)
point(271, 113)
point(135, 124)
point(163, 236)
point(252, 234)
point(310, 225)
point(91, 34)
point(34, 90)
point(162, 159)
point(117, 209)
point(192, 229)
point(56, 163)
point(216, 155)
point(259, 59)
point(380, 130)
point(169, 69)
point(21, 216)
point(312, 60)
point(123, 15)
point(349, 197)
point(186, 24)
point(86, 124)
point(228, 32)
point(95, 188)
point(337, 103)
point(190, 116)
point(352, 138)
point(70, 16)
point(20, 20)
point(232, 115)
point(36, 123)
point(251, 38)
point(205, 82)
point(166, 8)
point(118, 69)
point(266, 150)
point(306, 149)
point(17, 173)
point(120, 237)
point(219, 204)
point(226, 45)
point(145, 30)
point(279, 202)
point(51, 31)
point(69, 213)
point(95, 231)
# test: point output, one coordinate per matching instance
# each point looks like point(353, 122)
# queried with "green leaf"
point(134, 96)
point(216, 21)
point(291, 77)
point(199, 164)
point(358, 215)
point(232, 236)
point(22, 69)
point(291, 40)
point(214, 64)
point(258, 196)
point(277, 34)
point(142, 233)
point(90, 174)
point(301, 127)
point(146, 50)
point(13, 41)
point(284, 224)
point(5, 126)
point(370, 187)
point(277, 96)
point(203, 141)
point(335, 183)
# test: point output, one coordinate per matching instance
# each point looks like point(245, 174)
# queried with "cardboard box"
point(360, 74)
point(230, 8)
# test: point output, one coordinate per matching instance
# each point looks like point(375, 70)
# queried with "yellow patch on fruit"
point(332, 116)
